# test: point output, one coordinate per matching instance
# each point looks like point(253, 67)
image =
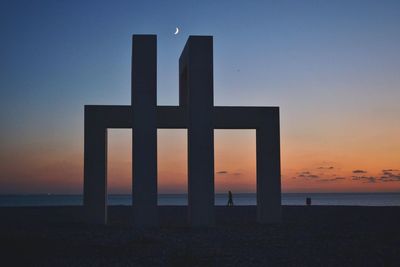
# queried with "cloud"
point(387, 175)
point(331, 179)
point(306, 175)
point(321, 174)
point(390, 176)
point(326, 168)
point(365, 179)
point(229, 173)
point(359, 171)
point(390, 179)
point(309, 176)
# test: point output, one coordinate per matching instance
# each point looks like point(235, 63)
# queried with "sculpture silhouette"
point(197, 113)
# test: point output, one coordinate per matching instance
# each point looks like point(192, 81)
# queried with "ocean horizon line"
point(220, 199)
point(224, 193)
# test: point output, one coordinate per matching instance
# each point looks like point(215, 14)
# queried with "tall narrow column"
point(144, 145)
point(95, 169)
point(269, 170)
point(196, 92)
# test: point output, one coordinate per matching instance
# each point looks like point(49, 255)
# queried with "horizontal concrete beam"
point(109, 116)
point(170, 117)
point(243, 117)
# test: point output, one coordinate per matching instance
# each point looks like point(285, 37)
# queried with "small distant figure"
point(230, 199)
point(308, 201)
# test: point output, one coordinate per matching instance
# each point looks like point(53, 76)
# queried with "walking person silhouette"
point(230, 199)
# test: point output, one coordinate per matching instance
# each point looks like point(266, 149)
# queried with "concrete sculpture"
point(197, 113)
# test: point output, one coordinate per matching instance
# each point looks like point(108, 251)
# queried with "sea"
point(240, 199)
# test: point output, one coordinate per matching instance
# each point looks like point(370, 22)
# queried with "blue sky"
point(332, 66)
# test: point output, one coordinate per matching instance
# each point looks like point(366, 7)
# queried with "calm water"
point(349, 199)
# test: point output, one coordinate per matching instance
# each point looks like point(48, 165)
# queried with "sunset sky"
point(333, 68)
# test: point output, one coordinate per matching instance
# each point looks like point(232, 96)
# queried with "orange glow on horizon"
point(60, 171)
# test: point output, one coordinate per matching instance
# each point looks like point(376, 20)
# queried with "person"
point(230, 199)
point(308, 201)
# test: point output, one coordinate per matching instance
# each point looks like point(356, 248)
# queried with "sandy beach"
point(308, 236)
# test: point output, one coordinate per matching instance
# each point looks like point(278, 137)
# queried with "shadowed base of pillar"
point(95, 215)
point(201, 218)
point(143, 218)
point(269, 214)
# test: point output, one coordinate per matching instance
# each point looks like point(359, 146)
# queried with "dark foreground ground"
point(308, 236)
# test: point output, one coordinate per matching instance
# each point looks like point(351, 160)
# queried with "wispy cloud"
point(326, 168)
point(359, 171)
point(390, 170)
point(390, 176)
point(307, 174)
point(334, 179)
point(364, 179)
point(324, 174)
point(228, 173)
point(321, 177)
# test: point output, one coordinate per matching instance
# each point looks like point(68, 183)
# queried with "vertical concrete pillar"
point(144, 145)
point(95, 170)
point(269, 170)
point(197, 87)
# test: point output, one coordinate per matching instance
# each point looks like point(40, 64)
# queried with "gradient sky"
point(333, 67)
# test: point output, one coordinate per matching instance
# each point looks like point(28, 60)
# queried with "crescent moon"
point(176, 31)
